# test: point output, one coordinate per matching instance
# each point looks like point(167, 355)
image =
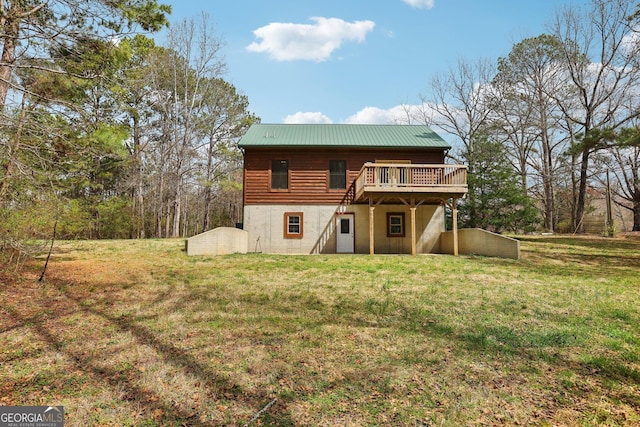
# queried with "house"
point(322, 188)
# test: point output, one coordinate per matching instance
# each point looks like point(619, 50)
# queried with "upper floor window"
point(337, 174)
point(279, 174)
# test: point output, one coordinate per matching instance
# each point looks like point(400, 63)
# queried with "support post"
point(413, 226)
point(454, 214)
point(609, 224)
point(371, 226)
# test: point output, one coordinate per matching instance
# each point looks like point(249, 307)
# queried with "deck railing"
point(396, 177)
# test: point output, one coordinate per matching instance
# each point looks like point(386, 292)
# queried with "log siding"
point(309, 171)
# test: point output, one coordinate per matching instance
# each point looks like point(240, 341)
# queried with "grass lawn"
point(137, 333)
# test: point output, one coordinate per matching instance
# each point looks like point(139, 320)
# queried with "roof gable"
point(342, 135)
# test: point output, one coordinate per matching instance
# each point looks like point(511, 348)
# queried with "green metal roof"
point(342, 135)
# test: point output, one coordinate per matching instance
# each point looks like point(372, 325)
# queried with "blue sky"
point(347, 61)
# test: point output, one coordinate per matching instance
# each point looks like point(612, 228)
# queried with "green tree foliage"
point(126, 148)
point(58, 79)
point(112, 218)
point(496, 200)
point(61, 145)
point(49, 25)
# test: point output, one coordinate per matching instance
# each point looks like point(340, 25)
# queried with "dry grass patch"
point(137, 333)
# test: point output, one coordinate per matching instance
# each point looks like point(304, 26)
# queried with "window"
point(395, 224)
point(345, 226)
point(293, 226)
point(279, 174)
point(337, 174)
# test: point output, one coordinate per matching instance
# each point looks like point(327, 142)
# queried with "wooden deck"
point(388, 179)
point(413, 185)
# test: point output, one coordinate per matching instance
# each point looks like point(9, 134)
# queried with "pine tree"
point(496, 200)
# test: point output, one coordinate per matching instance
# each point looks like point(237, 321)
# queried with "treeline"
point(551, 123)
point(104, 133)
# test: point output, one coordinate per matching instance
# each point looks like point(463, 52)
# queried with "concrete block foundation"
point(219, 241)
point(480, 242)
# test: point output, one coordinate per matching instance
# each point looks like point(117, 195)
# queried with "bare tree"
point(185, 79)
point(626, 171)
point(409, 114)
point(600, 57)
point(226, 119)
point(461, 103)
point(460, 100)
point(529, 81)
point(134, 95)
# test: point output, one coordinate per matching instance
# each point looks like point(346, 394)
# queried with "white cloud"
point(316, 42)
point(420, 4)
point(631, 41)
point(400, 114)
point(403, 114)
point(371, 116)
point(307, 118)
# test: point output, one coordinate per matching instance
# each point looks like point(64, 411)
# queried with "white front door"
point(345, 233)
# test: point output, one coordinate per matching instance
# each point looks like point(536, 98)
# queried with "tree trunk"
point(177, 206)
point(582, 192)
point(208, 196)
point(11, 31)
point(137, 145)
point(177, 198)
point(574, 195)
point(547, 171)
point(141, 218)
point(207, 209)
point(137, 202)
point(167, 222)
point(160, 205)
point(549, 205)
point(636, 212)
point(547, 183)
point(13, 150)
